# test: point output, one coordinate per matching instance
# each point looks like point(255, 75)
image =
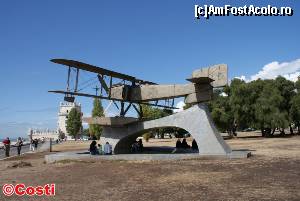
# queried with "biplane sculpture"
point(128, 91)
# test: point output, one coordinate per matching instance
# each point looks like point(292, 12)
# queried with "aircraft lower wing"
point(107, 98)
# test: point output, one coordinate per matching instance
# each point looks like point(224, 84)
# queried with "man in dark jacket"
point(6, 144)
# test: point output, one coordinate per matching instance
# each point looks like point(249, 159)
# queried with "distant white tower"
point(64, 110)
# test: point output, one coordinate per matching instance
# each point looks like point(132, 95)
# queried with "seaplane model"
point(136, 92)
point(122, 131)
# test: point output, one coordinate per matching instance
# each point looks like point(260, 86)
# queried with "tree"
point(151, 113)
point(268, 116)
point(74, 123)
point(287, 91)
point(295, 107)
point(86, 132)
point(96, 130)
point(222, 114)
point(297, 85)
point(262, 104)
point(187, 106)
point(147, 136)
point(240, 103)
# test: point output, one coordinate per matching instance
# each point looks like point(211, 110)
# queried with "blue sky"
point(159, 41)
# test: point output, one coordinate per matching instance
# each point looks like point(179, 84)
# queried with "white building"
point(64, 110)
point(43, 134)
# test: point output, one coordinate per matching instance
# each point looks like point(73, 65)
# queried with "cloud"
point(223, 94)
point(243, 77)
point(289, 70)
point(293, 77)
point(179, 105)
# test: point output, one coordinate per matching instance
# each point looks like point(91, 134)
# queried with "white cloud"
point(289, 70)
point(223, 94)
point(180, 106)
point(243, 77)
point(293, 77)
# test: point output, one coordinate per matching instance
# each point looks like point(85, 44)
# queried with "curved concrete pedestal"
point(195, 120)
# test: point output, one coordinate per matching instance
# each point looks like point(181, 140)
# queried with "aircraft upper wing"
point(95, 69)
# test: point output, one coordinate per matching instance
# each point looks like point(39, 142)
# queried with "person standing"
point(6, 144)
point(35, 143)
point(19, 145)
point(31, 145)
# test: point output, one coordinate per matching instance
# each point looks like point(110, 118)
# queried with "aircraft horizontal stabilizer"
point(215, 75)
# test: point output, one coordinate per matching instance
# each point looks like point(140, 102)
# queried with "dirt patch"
point(20, 164)
point(272, 173)
point(73, 161)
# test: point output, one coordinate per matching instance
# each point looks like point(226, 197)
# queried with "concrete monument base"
point(79, 155)
point(195, 120)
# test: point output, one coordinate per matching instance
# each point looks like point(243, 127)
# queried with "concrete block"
point(217, 72)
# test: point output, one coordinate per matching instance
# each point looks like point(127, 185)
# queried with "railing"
point(42, 146)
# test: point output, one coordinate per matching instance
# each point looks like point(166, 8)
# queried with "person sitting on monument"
point(140, 145)
point(107, 149)
point(135, 147)
point(93, 148)
point(178, 144)
point(184, 144)
point(194, 145)
point(100, 149)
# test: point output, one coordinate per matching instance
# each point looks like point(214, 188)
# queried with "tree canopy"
point(94, 129)
point(151, 113)
point(261, 104)
point(74, 123)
